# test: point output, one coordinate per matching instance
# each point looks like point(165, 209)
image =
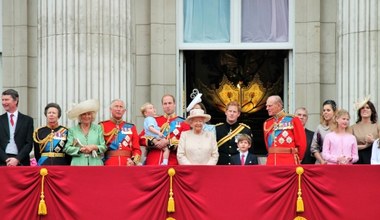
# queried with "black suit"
point(250, 160)
point(308, 159)
point(23, 138)
point(229, 147)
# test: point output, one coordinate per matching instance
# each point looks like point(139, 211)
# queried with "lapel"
point(249, 160)
point(237, 159)
point(4, 124)
point(19, 123)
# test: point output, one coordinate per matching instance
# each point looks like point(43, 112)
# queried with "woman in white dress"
point(197, 146)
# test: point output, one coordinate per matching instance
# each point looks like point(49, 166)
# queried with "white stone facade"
point(66, 51)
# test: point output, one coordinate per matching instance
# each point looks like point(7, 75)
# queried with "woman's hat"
point(198, 113)
point(197, 99)
point(361, 103)
point(91, 105)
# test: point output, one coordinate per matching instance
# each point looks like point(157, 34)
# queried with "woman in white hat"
point(197, 146)
point(196, 103)
point(85, 140)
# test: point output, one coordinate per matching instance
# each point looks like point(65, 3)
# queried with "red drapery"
point(200, 192)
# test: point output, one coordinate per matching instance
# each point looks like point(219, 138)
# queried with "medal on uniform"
point(57, 149)
point(129, 131)
point(124, 143)
point(61, 143)
point(176, 132)
point(285, 133)
point(123, 130)
point(281, 140)
point(58, 136)
point(177, 125)
point(289, 140)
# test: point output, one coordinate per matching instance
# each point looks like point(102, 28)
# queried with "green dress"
point(76, 137)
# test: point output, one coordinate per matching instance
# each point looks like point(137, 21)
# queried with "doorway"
point(246, 76)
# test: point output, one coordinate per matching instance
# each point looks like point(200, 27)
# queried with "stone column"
point(358, 52)
point(83, 53)
point(19, 52)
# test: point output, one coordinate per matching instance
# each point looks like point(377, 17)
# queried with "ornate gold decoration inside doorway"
point(251, 98)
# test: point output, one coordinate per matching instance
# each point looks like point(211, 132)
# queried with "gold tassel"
point(300, 206)
point(299, 218)
point(42, 210)
point(42, 207)
point(171, 205)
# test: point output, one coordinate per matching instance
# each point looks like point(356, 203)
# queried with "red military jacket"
point(285, 139)
point(122, 141)
point(171, 126)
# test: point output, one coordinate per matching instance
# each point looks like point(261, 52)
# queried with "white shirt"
point(245, 156)
point(375, 158)
point(11, 147)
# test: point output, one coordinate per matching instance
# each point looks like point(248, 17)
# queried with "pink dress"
point(337, 145)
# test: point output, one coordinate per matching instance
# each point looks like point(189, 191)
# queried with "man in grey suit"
point(302, 114)
point(16, 130)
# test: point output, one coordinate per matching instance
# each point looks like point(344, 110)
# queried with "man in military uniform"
point(121, 138)
point(227, 134)
point(171, 126)
point(284, 135)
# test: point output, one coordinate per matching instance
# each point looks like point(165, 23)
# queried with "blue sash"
point(176, 123)
point(50, 146)
point(125, 130)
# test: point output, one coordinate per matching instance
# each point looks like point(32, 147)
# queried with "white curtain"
point(265, 20)
point(206, 21)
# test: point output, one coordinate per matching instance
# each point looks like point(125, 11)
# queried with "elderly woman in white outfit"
point(197, 146)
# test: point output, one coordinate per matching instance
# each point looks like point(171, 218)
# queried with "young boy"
point(151, 128)
point(244, 157)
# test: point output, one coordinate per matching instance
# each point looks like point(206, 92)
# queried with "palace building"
point(306, 51)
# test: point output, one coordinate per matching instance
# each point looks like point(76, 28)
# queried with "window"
point(234, 23)
point(206, 21)
point(264, 20)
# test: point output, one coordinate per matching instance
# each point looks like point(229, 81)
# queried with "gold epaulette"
point(245, 125)
point(64, 127)
point(219, 124)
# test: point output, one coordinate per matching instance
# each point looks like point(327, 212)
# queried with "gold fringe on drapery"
point(42, 210)
point(300, 205)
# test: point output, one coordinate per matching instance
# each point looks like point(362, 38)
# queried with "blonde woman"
point(339, 146)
